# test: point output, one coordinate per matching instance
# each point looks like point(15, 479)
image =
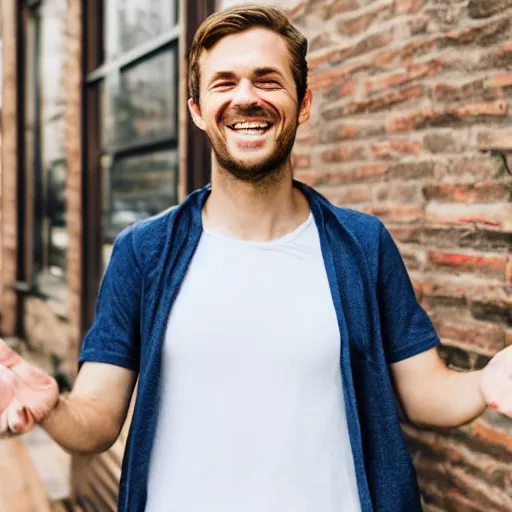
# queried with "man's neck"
point(263, 211)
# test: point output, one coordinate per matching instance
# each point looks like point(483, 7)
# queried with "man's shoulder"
point(146, 238)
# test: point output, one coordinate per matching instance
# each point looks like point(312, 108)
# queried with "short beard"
point(260, 171)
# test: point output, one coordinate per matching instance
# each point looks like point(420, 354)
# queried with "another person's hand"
point(496, 384)
point(27, 394)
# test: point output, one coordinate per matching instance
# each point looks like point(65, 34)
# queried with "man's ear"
point(305, 108)
point(195, 112)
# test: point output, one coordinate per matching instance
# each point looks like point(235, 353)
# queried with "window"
point(44, 170)
point(133, 98)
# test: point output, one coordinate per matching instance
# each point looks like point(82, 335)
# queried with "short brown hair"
point(242, 18)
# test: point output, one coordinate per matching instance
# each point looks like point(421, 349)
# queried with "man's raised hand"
point(27, 394)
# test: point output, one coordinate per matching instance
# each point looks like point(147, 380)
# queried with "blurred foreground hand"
point(496, 384)
point(27, 394)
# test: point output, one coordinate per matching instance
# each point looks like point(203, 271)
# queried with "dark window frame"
point(31, 214)
point(94, 70)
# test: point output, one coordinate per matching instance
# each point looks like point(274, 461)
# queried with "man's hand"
point(27, 394)
point(496, 383)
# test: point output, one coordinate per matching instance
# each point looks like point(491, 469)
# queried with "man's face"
point(248, 103)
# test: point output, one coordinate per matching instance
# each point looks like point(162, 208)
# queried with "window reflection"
point(50, 164)
point(139, 104)
point(130, 23)
point(137, 187)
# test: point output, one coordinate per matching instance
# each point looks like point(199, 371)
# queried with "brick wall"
point(411, 100)
point(73, 144)
point(9, 246)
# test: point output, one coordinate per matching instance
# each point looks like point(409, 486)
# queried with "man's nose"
point(245, 93)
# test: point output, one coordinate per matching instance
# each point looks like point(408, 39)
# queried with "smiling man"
point(268, 328)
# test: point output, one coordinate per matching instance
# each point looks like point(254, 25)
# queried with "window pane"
point(139, 104)
point(130, 23)
point(136, 188)
point(51, 174)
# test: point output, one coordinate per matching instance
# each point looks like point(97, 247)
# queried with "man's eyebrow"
point(259, 72)
point(223, 75)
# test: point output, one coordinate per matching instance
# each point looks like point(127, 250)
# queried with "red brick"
point(348, 194)
point(475, 193)
point(344, 153)
point(320, 42)
point(456, 91)
point(339, 7)
point(446, 116)
point(485, 8)
point(297, 11)
point(496, 108)
point(371, 171)
point(400, 214)
point(308, 177)
point(340, 54)
point(494, 264)
point(444, 142)
point(412, 170)
point(324, 79)
point(494, 139)
point(347, 88)
point(315, 62)
point(366, 45)
point(361, 22)
point(347, 132)
point(420, 47)
point(404, 233)
point(413, 72)
point(354, 130)
point(468, 168)
point(306, 138)
point(373, 104)
point(301, 161)
point(491, 217)
point(418, 24)
point(398, 192)
point(478, 32)
point(498, 57)
point(501, 80)
point(487, 432)
point(408, 6)
point(508, 337)
point(394, 147)
point(469, 334)
point(443, 289)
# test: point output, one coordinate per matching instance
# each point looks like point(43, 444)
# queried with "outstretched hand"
point(27, 394)
point(496, 384)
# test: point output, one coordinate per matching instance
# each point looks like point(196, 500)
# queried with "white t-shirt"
point(252, 414)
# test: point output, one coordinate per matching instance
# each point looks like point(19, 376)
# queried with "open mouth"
point(251, 128)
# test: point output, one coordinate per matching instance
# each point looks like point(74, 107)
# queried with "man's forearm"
point(452, 399)
point(80, 426)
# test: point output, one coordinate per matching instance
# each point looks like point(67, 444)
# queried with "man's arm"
point(434, 395)
point(90, 419)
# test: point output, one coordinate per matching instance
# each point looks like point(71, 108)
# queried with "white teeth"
point(247, 125)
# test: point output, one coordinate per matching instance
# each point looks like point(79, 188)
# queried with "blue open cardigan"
point(379, 319)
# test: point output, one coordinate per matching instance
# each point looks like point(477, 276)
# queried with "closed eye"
point(268, 84)
point(224, 84)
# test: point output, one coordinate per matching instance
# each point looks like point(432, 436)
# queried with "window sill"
point(58, 303)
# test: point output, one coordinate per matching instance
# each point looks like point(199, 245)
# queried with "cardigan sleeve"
point(406, 328)
point(114, 337)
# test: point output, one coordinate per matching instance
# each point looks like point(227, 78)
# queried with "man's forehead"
point(252, 49)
